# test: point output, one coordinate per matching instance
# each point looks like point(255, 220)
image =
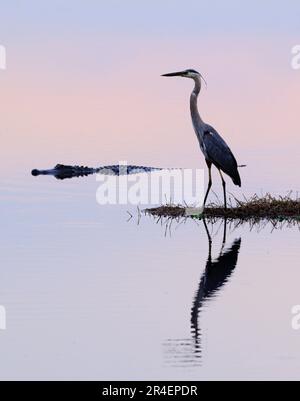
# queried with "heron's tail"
point(236, 178)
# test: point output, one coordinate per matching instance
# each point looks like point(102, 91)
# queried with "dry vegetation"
point(253, 210)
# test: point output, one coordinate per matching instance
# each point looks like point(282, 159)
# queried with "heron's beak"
point(174, 74)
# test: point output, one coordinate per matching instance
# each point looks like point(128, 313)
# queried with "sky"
point(83, 84)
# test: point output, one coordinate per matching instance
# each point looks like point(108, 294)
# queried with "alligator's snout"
point(35, 172)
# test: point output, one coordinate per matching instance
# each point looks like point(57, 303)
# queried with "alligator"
point(61, 171)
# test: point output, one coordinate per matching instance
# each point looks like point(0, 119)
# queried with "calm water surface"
point(90, 295)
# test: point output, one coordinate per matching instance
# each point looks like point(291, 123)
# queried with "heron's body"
point(214, 148)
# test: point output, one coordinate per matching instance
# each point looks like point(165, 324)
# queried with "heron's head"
point(193, 74)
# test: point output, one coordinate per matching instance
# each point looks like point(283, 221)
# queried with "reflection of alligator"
point(61, 171)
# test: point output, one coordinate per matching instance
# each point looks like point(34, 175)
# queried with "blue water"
point(91, 295)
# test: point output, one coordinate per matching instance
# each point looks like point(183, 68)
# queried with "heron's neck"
point(197, 120)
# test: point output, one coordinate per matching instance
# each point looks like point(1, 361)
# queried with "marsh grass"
point(282, 209)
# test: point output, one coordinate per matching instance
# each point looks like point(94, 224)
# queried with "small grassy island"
point(255, 209)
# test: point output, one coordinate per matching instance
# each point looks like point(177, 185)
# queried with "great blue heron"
point(215, 149)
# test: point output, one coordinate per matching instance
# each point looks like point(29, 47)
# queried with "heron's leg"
point(209, 240)
point(225, 231)
point(224, 235)
point(209, 182)
point(224, 189)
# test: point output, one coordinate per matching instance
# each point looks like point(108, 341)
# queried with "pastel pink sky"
point(57, 107)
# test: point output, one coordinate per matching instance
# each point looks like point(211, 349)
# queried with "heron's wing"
point(220, 154)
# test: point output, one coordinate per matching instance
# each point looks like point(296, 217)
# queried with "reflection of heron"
point(213, 146)
point(216, 274)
